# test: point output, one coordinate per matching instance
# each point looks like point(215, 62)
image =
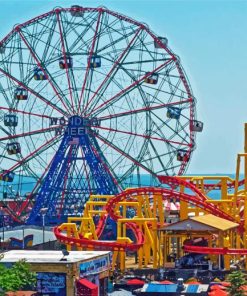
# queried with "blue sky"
point(211, 39)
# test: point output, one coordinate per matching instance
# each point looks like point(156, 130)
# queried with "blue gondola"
point(173, 112)
point(13, 148)
point(196, 126)
point(76, 11)
point(2, 49)
point(69, 62)
point(10, 120)
point(163, 40)
point(152, 78)
point(39, 75)
point(7, 176)
point(95, 61)
point(21, 94)
point(95, 122)
point(182, 155)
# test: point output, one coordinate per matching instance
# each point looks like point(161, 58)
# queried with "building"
point(66, 273)
point(213, 231)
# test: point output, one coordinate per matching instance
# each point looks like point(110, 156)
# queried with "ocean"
point(23, 185)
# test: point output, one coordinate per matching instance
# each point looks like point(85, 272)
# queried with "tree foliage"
point(17, 277)
point(237, 280)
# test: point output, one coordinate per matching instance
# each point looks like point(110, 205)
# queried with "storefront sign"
point(49, 283)
point(95, 266)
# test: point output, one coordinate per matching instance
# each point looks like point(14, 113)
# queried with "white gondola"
point(162, 40)
point(66, 63)
point(196, 126)
point(76, 11)
point(182, 155)
point(151, 78)
point(21, 94)
point(13, 148)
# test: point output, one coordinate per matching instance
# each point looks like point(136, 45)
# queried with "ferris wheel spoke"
point(144, 109)
point(33, 154)
point(86, 170)
point(33, 92)
point(89, 58)
point(116, 97)
point(62, 37)
point(115, 65)
point(24, 112)
point(106, 167)
point(44, 69)
point(140, 135)
point(116, 41)
point(121, 152)
point(175, 132)
point(158, 156)
point(182, 127)
point(5, 131)
point(35, 132)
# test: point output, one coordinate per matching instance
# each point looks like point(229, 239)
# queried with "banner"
point(50, 284)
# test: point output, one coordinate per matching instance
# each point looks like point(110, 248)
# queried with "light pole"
point(3, 225)
point(43, 212)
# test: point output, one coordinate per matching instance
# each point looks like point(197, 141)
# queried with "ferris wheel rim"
point(141, 27)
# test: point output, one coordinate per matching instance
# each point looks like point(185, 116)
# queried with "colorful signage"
point(95, 266)
point(50, 284)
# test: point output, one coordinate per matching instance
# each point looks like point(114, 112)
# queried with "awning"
point(216, 222)
point(88, 284)
point(200, 224)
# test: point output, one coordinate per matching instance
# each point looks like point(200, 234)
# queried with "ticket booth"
point(76, 273)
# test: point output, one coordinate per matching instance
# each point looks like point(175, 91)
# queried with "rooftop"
point(51, 256)
point(216, 222)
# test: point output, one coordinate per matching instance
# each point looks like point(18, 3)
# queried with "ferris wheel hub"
point(78, 125)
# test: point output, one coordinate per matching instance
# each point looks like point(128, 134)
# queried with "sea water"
point(22, 185)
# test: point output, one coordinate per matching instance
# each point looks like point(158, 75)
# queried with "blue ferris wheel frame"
point(76, 134)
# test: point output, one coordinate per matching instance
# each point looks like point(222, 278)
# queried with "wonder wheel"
point(91, 102)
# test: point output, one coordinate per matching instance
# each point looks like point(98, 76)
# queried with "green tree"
point(17, 277)
point(237, 279)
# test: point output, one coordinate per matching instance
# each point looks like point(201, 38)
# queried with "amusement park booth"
point(62, 273)
point(202, 231)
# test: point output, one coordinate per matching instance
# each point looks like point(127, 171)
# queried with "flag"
point(74, 141)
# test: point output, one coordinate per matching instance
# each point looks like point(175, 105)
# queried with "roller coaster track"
point(198, 199)
point(214, 251)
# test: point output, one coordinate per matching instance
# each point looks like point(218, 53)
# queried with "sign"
point(95, 266)
point(51, 284)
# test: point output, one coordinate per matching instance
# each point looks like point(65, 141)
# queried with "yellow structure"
point(146, 219)
point(197, 198)
point(215, 231)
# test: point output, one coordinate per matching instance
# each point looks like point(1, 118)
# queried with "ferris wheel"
point(91, 102)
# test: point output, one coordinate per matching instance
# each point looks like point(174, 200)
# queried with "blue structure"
point(78, 169)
